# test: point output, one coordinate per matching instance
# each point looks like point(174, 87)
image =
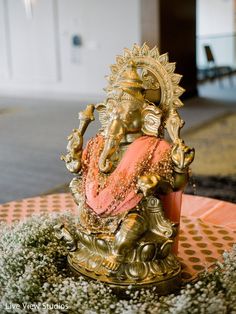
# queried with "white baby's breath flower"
point(33, 271)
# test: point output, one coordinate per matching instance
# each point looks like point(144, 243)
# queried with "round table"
point(207, 226)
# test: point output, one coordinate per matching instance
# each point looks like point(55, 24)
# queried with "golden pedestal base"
point(164, 274)
point(164, 284)
point(138, 254)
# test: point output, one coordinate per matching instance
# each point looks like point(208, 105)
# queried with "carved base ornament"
point(129, 178)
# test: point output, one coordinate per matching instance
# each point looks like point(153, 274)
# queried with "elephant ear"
point(151, 120)
point(102, 114)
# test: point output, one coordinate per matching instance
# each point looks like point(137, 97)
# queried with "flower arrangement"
point(34, 279)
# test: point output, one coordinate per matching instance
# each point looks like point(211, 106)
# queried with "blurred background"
point(54, 55)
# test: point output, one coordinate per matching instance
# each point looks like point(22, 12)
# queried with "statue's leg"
point(131, 230)
point(158, 223)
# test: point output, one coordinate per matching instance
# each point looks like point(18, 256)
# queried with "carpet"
point(214, 167)
point(215, 147)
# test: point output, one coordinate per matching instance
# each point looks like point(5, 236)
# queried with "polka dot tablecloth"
point(202, 244)
point(207, 227)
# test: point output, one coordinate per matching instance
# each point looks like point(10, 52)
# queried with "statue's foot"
point(111, 263)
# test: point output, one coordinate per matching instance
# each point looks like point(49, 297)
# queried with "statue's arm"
point(75, 141)
point(181, 157)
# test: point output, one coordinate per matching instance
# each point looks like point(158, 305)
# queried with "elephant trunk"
point(115, 132)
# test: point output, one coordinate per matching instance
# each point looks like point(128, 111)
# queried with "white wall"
point(4, 44)
point(37, 57)
point(215, 27)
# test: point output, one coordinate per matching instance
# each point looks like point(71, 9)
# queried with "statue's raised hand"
point(75, 142)
point(182, 156)
point(74, 149)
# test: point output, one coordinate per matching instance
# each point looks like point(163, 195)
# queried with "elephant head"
point(129, 117)
point(126, 113)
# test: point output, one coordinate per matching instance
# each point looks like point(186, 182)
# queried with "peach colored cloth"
point(207, 209)
point(118, 192)
point(200, 243)
point(213, 211)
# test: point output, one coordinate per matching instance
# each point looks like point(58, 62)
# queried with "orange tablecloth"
point(207, 227)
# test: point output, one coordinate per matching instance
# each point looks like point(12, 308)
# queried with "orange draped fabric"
point(116, 193)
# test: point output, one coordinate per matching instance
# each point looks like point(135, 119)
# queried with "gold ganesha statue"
point(129, 179)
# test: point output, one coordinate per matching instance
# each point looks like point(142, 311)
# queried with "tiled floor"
point(33, 136)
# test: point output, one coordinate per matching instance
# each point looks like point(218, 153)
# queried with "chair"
point(213, 70)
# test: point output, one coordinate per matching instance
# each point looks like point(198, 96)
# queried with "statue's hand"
point(182, 155)
point(75, 142)
point(74, 152)
point(147, 183)
point(73, 163)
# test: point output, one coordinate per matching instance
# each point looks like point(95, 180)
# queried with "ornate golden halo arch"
point(157, 74)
